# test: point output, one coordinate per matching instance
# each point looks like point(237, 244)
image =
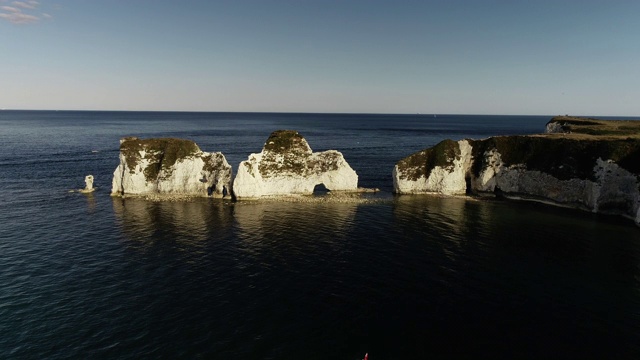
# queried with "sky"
point(452, 56)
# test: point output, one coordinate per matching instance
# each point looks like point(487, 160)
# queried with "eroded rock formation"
point(586, 166)
point(440, 169)
point(88, 181)
point(172, 167)
point(287, 166)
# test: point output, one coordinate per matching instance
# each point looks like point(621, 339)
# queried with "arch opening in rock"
point(320, 189)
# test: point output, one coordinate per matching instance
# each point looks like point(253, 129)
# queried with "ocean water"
point(90, 276)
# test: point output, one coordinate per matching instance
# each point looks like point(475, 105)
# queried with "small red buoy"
point(366, 356)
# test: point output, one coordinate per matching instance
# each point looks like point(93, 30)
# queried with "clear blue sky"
point(471, 57)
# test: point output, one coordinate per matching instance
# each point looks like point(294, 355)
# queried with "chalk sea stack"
point(588, 164)
point(287, 166)
point(170, 167)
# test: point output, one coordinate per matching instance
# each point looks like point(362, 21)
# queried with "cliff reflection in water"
point(524, 245)
point(186, 222)
point(291, 226)
point(91, 202)
point(449, 219)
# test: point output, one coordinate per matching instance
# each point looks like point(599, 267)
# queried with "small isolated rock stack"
point(288, 166)
point(88, 181)
point(168, 166)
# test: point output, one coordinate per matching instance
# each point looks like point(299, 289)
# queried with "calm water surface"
point(404, 277)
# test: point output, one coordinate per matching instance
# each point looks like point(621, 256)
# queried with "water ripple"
point(95, 276)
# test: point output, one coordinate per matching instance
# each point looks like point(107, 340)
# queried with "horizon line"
point(320, 112)
point(305, 112)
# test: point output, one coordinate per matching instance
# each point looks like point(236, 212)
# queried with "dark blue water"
point(88, 276)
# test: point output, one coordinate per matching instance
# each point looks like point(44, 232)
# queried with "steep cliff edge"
point(287, 166)
point(440, 169)
point(583, 163)
point(171, 167)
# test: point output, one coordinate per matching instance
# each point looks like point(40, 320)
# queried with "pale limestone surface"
point(612, 190)
point(554, 128)
point(88, 181)
point(200, 174)
point(293, 169)
point(615, 190)
point(88, 188)
point(449, 180)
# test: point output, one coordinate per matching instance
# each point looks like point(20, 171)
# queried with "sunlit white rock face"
point(88, 181)
point(449, 162)
point(451, 168)
point(169, 167)
point(288, 166)
point(553, 127)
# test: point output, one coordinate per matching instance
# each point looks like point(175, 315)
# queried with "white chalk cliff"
point(612, 189)
point(168, 166)
point(447, 177)
point(572, 173)
point(287, 166)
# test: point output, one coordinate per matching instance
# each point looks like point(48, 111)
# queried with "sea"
point(89, 276)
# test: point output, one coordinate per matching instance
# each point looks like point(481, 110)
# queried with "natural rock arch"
point(287, 166)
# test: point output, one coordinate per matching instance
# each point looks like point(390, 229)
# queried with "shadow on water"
point(187, 223)
point(253, 277)
point(408, 277)
point(522, 279)
point(281, 231)
point(414, 276)
point(289, 260)
point(91, 202)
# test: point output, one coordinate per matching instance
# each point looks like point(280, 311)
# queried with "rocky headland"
point(169, 167)
point(287, 166)
point(583, 163)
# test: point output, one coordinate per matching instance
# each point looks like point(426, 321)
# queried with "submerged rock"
point(287, 166)
point(583, 165)
point(172, 167)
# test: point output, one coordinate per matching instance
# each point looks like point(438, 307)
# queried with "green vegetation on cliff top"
point(421, 163)
point(563, 158)
point(570, 154)
point(589, 128)
point(285, 141)
point(284, 150)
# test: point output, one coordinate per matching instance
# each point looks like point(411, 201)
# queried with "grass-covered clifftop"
point(564, 157)
point(286, 141)
point(584, 163)
point(286, 151)
point(588, 128)
point(569, 152)
point(420, 164)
